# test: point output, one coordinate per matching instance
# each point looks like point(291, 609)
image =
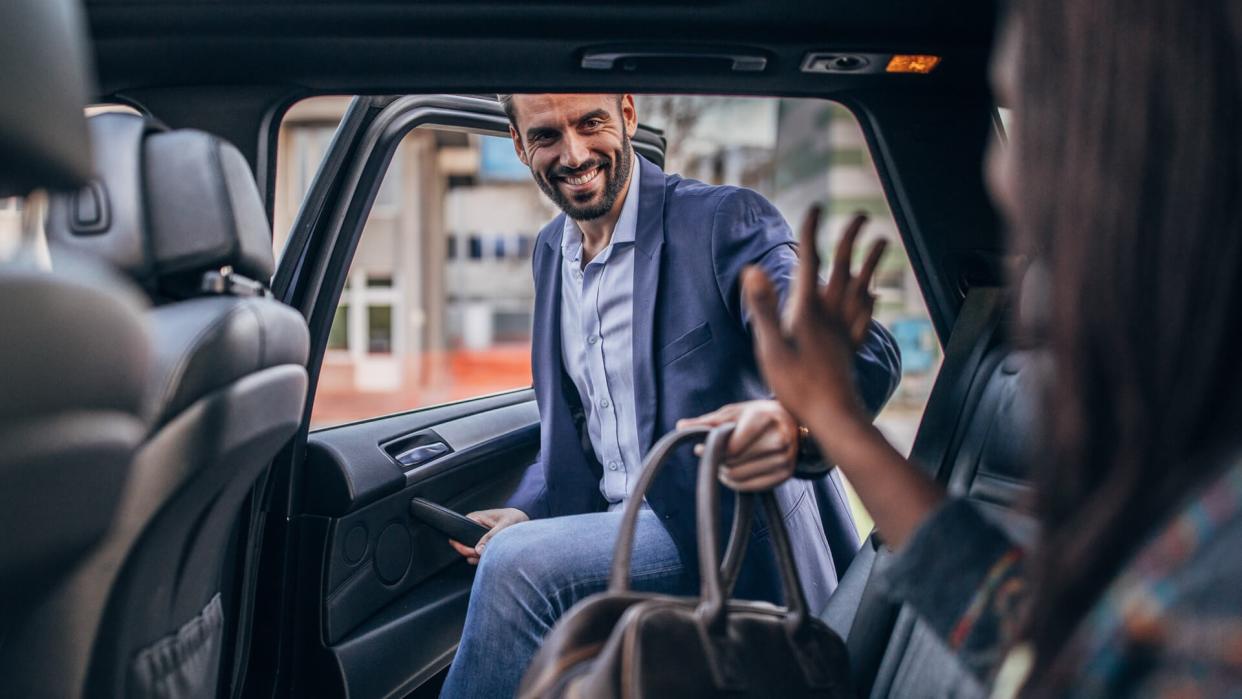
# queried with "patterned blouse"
point(1169, 625)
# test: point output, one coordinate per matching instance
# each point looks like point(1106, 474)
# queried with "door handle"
point(421, 454)
point(741, 60)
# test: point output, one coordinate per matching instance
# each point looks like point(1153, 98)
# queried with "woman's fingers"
point(807, 281)
point(839, 279)
point(859, 301)
point(863, 278)
point(858, 327)
point(761, 300)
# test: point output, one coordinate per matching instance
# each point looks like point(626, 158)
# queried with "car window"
point(439, 298)
point(438, 303)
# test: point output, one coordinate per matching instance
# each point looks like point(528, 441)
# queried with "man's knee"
point(518, 560)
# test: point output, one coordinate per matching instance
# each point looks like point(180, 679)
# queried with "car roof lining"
point(478, 46)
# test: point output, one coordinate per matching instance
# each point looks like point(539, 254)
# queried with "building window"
point(338, 336)
point(379, 329)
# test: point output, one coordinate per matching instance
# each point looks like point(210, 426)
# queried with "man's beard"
point(615, 174)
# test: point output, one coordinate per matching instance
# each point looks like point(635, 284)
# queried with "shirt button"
point(592, 340)
point(603, 403)
point(612, 466)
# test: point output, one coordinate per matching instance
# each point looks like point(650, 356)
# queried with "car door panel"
point(375, 551)
point(409, 641)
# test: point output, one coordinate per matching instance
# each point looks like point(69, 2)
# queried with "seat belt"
point(973, 335)
point(948, 407)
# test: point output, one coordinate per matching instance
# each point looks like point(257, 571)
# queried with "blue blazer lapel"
point(648, 243)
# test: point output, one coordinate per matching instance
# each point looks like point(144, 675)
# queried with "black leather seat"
point(179, 212)
point(974, 437)
point(73, 374)
point(76, 353)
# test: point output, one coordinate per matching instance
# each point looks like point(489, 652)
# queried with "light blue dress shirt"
point(597, 344)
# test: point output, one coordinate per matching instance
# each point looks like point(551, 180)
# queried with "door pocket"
point(698, 336)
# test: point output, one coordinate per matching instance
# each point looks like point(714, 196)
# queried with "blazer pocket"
point(698, 336)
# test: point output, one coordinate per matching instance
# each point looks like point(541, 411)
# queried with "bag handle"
point(716, 580)
point(619, 578)
point(715, 588)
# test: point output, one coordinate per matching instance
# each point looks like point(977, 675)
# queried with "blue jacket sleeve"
point(531, 495)
point(748, 230)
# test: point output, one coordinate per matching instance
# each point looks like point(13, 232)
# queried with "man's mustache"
point(559, 172)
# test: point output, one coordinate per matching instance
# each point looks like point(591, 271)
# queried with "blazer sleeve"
point(531, 495)
point(748, 230)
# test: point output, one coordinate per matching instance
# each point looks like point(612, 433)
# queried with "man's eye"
point(593, 123)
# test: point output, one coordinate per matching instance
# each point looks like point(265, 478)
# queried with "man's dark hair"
point(506, 102)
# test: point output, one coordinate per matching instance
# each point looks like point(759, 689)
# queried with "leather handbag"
point(625, 644)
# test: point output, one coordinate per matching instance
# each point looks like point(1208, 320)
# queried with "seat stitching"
point(175, 376)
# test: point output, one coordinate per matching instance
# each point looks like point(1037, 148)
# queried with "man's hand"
point(496, 520)
point(762, 452)
point(807, 358)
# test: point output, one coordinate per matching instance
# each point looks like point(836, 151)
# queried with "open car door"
point(355, 596)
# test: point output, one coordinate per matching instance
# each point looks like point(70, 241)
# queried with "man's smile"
point(581, 184)
point(578, 180)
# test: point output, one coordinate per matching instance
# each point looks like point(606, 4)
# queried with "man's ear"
point(517, 145)
point(629, 114)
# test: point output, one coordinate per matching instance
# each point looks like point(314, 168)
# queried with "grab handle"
point(740, 60)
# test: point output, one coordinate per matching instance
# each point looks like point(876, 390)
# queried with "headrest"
point(165, 207)
point(43, 90)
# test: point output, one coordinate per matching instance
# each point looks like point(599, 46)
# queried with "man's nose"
point(574, 152)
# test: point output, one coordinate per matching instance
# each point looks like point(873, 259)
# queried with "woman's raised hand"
point(807, 358)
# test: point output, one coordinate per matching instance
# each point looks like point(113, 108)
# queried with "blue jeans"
point(532, 573)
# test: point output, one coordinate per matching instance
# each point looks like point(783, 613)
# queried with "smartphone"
point(452, 524)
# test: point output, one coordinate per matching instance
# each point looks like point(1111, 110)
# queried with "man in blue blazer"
point(638, 325)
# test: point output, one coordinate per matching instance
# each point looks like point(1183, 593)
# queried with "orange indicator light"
point(904, 63)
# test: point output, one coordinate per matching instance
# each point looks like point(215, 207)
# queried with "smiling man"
point(638, 324)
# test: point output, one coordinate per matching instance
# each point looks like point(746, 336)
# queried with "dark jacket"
point(692, 350)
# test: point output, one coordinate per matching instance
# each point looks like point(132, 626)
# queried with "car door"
point(355, 595)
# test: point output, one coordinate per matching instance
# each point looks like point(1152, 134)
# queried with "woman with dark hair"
point(1123, 180)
